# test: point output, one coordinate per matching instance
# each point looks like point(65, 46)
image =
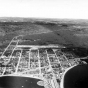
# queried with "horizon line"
point(4, 17)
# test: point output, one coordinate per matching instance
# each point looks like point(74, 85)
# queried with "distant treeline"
point(78, 51)
point(14, 23)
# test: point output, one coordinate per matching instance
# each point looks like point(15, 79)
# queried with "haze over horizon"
point(68, 9)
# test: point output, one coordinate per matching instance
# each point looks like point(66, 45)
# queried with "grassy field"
point(73, 34)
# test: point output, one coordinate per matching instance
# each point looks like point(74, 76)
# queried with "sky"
point(70, 9)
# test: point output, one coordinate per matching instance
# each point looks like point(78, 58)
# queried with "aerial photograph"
point(43, 44)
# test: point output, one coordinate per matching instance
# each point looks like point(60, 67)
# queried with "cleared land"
point(69, 33)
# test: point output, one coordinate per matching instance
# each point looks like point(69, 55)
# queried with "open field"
point(72, 34)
